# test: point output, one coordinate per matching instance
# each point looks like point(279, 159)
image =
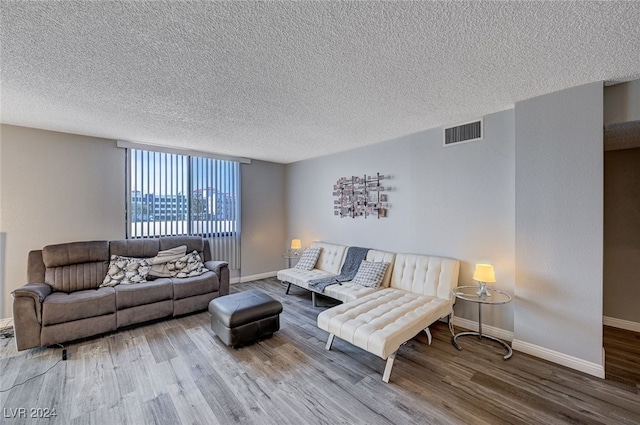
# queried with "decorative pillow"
point(308, 258)
point(158, 263)
point(126, 270)
point(188, 266)
point(370, 274)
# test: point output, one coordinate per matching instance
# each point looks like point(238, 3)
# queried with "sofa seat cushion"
point(191, 286)
point(301, 277)
point(382, 321)
point(143, 293)
point(60, 307)
point(348, 291)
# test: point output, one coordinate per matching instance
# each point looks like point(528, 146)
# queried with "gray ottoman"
point(244, 317)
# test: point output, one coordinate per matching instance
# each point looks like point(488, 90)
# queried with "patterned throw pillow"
point(188, 266)
point(125, 271)
point(308, 258)
point(370, 274)
point(158, 263)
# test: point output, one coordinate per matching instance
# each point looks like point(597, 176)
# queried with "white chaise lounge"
point(420, 292)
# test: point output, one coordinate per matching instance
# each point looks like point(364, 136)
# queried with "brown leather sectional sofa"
point(62, 300)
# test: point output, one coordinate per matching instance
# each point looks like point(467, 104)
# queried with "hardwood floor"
point(177, 372)
point(622, 356)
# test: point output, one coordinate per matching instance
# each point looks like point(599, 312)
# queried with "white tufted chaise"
point(420, 293)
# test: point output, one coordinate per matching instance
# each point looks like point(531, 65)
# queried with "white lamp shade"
point(484, 273)
point(296, 244)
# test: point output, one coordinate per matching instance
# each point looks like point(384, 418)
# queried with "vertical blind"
point(172, 194)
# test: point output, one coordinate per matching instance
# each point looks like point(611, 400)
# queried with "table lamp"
point(296, 244)
point(484, 274)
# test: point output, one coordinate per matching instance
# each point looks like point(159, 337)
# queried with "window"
point(173, 194)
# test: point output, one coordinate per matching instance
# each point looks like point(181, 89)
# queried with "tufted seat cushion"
point(350, 291)
point(380, 322)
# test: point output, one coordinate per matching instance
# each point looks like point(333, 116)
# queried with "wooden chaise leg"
point(288, 287)
point(329, 342)
point(428, 332)
point(313, 299)
point(388, 367)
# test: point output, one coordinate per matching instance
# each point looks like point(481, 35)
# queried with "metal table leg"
point(479, 334)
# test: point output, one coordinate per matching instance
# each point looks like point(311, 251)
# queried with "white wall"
point(559, 225)
point(56, 188)
point(455, 202)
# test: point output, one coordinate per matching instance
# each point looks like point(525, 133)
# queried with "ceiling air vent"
point(468, 132)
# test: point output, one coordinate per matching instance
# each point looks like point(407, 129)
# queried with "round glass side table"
point(290, 258)
point(493, 296)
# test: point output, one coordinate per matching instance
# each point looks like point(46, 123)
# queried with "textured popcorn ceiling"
point(294, 80)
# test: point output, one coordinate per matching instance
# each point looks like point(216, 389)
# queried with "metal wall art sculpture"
point(360, 197)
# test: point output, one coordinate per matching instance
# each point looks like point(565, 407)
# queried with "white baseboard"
point(621, 324)
point(581, 365)
point(489, 330)
point(243, 279)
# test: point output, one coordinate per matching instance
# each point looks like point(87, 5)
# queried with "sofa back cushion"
point(331, 256)
point(375, 256)
point(149, 247)
point(136, 248)
point(425, 275)
point(193, 243)
point(75, 266)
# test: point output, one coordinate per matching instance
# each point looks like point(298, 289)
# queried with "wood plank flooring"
point(177, 372)
point(622, 356)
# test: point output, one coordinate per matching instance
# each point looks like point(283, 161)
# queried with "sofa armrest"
point(27, 313)
point(37, 291)
point(221, 268)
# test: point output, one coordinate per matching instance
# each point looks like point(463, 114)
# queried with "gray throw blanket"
point(354, 257)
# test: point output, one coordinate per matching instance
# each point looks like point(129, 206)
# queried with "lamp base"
point(482, 290)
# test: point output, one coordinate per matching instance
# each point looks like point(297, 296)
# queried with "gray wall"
point(58, 187)
point(559, 214)
point(455, 201)
point(263, 218)
point(622, 234)
point(527, 199)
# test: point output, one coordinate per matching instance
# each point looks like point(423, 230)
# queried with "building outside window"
point(176, 195)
